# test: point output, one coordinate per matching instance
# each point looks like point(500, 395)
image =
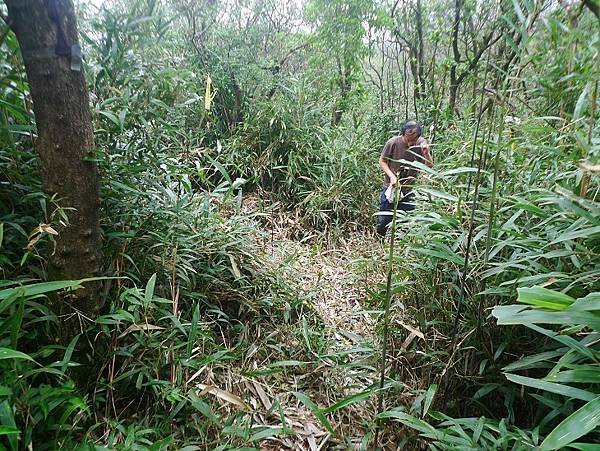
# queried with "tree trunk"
point(420, 49)
point(66, 147)
point(345, 85)
point(458, 4)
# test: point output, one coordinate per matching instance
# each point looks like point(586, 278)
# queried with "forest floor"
point(338, 330)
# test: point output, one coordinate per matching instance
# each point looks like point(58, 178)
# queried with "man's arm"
point(428, 159)
point(384, 165)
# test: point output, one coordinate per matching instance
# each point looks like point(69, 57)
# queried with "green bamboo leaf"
point(285, 363)
point(266, 433)
point(582, 102)
point(585, 446)
point(6, 353)
point(410, 421)
point(41, 288)
point(516, 314)
point(588, 304)
point(5, 391)
point(543, 297)
point(314, 409)
point(439, 194)
point(17, 320)
point(220, 168)
point(478, 430)
point(111, 117)
point(429, 398)
point(461, 170)
point(352, 399)
point(149, 292)
point(10, 299)
point(552, 387)
point(581, 233)
point(532, 361)
point(203, 408)
point(20, 113)
point(579, 346)
point(7, 419)
point(587, 375)
point(444, 254)
point(8, 430)
point(519, 12)
point(579, 423)
point(66, 360)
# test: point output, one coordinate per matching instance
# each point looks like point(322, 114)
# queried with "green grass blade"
point(318, 413)
point(552, 387)
point(579, 423)
point(6, 353)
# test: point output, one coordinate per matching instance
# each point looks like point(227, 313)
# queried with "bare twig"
point(393, 11)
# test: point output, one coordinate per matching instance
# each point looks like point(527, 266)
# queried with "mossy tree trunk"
point(65, 145)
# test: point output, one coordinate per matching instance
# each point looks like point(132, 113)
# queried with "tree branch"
point(394, 8)
point(404, 40)
point(486, 44)
point(291, 52)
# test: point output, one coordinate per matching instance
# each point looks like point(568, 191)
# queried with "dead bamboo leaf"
point(411, 329)
point(195, 375)
point(224, 395)
point(406, 343)
point(325, 440)
point(262, 395)
point(549, 282)
point(234, 267)
point(312, 443)
point(589, 167)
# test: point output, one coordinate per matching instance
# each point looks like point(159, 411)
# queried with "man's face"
point(410, 136)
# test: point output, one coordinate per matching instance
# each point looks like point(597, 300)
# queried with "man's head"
point(411, 130)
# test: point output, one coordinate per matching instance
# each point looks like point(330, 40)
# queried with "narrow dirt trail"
point(336, 276)
point(340, 323)
point(336, 280)
point(333, 346)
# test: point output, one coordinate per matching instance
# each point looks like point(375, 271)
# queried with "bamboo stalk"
point(465, 269)
point(585, 180)
point(386, 321)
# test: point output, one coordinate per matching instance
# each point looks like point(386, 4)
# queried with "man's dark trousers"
point(406, 203)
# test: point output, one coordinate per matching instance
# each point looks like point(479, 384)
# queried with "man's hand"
point(387, 170)
point(427, 154)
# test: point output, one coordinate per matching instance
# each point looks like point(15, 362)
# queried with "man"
point(408, 146)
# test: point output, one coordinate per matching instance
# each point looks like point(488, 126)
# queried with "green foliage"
point(573, 365)
point(299, 161)
point(37, 396)
point(339, 41)
point(570, 361)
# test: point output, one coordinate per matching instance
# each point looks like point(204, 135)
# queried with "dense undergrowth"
point(199, 322)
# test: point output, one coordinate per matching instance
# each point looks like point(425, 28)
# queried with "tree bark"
point(458, 4)
point(66, 147)
point(420, 50)
point(345, 84)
